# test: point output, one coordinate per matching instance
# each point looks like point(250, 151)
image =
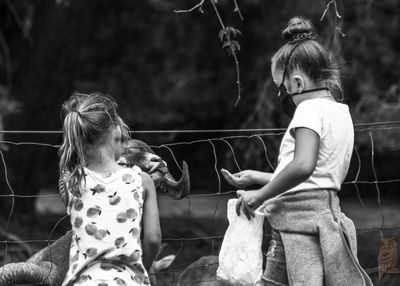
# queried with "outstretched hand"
point(248, 202)
point(239, 180)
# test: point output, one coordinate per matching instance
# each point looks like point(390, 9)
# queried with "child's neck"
point(102, 162)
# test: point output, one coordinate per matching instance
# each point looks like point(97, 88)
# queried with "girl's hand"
point(248, 202)
point(239, 180)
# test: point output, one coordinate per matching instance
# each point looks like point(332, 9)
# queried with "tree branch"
point(336, 16)
point(225, 36)
point(198, 6)
point(237, 10)
point(218, 15)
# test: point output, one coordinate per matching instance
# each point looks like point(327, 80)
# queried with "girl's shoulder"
point(149, 189)
point(122, 169)
point(125, 175)
point(321, 107)
point(147, 181)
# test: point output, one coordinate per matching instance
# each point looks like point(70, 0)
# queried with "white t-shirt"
point(332, 122)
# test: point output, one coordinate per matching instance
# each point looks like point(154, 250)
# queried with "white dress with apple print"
point(106, 225)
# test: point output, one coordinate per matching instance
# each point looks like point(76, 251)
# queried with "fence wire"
point(260, 135)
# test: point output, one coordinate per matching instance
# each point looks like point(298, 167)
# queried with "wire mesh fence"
point(194, 226)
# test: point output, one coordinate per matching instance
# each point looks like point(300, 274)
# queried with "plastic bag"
point(240, 257)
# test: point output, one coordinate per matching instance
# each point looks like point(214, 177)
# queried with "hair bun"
point(299, 28)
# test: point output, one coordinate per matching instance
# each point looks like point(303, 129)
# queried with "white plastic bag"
point(240, 257)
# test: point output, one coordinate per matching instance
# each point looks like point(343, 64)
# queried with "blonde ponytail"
point(87, 120)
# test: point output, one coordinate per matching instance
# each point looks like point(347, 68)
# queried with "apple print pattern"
point(106, 224)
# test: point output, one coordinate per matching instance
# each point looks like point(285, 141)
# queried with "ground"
point(194, 227)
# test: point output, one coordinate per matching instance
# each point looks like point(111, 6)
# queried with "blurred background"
point(170, 71)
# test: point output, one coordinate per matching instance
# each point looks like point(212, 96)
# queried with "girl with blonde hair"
point(110, 206)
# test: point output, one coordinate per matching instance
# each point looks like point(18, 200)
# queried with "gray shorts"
point(275, 269)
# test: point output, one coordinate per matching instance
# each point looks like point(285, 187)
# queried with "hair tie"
point(301, 37)
point(77, 111)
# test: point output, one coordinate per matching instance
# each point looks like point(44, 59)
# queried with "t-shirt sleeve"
point(309, 115)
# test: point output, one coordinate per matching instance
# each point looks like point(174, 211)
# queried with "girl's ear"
point(299, 83)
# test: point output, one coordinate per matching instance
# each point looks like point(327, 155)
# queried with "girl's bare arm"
point(297, 171)
point(151, 222)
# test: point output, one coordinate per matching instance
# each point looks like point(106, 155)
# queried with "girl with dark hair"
point(313, 242)
point(108, 204)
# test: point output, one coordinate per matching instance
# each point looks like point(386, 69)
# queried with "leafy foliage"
point(226, 35)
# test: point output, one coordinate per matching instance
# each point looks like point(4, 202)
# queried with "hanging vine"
point(228, 36)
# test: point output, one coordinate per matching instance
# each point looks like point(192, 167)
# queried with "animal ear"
point(163, 263)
